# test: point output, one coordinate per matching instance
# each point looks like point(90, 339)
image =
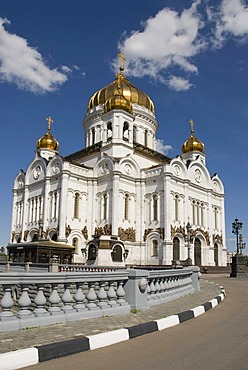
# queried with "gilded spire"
point(122, 60)
point(192, 123)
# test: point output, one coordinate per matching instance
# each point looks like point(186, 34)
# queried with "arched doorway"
point(197, 251)
point(117, 253)
point(176, 249)
point(216, 257)
point(92, 252)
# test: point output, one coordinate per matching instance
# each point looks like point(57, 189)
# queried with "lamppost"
point(236, 228)
point(238, 261)
point(188, 228)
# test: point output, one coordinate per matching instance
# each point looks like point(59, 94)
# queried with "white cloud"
point(24, 66)
point(178, 83)
point(162, 147)
point(231, 19)
point(169, 40)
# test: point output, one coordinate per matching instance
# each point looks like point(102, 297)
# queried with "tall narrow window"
point(176, 207)
point(202, 214)
point(134, 133)
point(105, 206)
point(146, 138)
point(126, 207)
point(154, 248)
point(198, 212)
point(155, 207)
point(109, 131)
point(76, 205)
point(55, 205)
point(215, 218)
point(193, 212)
point(125, 131)
point(93, 136)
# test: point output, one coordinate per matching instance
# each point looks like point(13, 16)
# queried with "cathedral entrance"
point(92, 252)
point(216, 257)
point(197, 252)
point(176, 249)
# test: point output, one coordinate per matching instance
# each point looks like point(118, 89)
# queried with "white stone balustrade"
point(30, 299)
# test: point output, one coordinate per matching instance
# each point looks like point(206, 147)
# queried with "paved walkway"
point(38, 336)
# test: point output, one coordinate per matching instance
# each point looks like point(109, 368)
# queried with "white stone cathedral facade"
point(118, 201)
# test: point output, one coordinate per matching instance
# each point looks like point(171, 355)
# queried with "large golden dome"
point(120, 87)
point(48, 141)
point(193, 144)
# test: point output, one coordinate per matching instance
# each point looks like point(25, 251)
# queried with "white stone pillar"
point(13, 223)
point(115, 203)
point(25, 211)
point(63, 207)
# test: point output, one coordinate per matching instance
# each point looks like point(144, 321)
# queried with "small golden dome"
point(118, 101)
point(48, 141)
point(121, 86)
point(193, 144)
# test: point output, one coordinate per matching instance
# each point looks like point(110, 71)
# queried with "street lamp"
point(236, 228)
point(188, 228)
point(241, 244)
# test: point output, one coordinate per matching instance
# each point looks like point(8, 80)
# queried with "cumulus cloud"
point(231, 19)
point(169, 40)
point(162, 147)
point(24, 66)
point(178, 83)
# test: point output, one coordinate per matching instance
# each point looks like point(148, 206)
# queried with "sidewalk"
point(40, 336)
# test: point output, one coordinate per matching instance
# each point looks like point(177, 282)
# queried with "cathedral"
point(118, 201)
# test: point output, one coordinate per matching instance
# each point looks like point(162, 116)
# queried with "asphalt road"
point(214, 341)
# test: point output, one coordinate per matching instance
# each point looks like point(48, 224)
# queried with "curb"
point(31, 356)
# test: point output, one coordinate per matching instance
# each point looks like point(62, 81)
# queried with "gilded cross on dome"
point(122, 61)
point(49, 121)
point(192, 123)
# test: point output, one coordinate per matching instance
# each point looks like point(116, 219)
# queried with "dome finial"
point(122, 62)
point(192, 123)
point(49, 121)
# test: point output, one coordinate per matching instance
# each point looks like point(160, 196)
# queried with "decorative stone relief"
point(85, 232)
point(177, 230)
point(105, 230)
point(177, 170)
point(56, 168)
point(159, 230)
point(128, 169)
point(127, 234)
point(37, 172)
point(198, 175)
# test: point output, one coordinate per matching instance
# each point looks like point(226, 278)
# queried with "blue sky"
point(190, 57)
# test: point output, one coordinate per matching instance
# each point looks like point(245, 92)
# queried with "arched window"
point(126, 207)
point(155, 207)
point(109, 131)
point(215, 218)
point(154, 248)
point(198, 212)
point(176, 249)
point(75, 244)
point(55, 205)
point(76, 205)
point(117, 253)
point(93, 136)
point(54, 237)
point(176, 207)
point(216, 257)
point(105, 206)
point(202, 214)
point(197, 252)
point(125, 131)
point(92, 252)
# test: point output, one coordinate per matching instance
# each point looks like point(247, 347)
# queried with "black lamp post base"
point(238, 266)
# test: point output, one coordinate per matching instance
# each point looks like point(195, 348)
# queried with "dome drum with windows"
point(120, 94)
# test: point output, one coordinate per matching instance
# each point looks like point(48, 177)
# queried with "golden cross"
point(192, 126)
point(49, 121)
point(122, 60)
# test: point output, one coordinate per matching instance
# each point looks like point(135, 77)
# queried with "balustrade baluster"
point(102, 295)
point(79, 298)
point(67, 299)
point(153, 289)
point(40, 301)
point(54, 299)
point(111, 295)
point(7, 303)
point(148, 290)
point(121, 294)
point(24, 302)
point(91, 296)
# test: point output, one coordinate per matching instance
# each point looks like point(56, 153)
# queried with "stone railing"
point(37, 299)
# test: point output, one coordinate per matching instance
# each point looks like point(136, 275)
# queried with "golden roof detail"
point(48, 141)
point(193, 144)
point(120, 94)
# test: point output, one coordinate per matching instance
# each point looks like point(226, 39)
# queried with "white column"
point(25, 211)
point(63, 207)
point(115, 203)
point(13, 225)
point(46, 203)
